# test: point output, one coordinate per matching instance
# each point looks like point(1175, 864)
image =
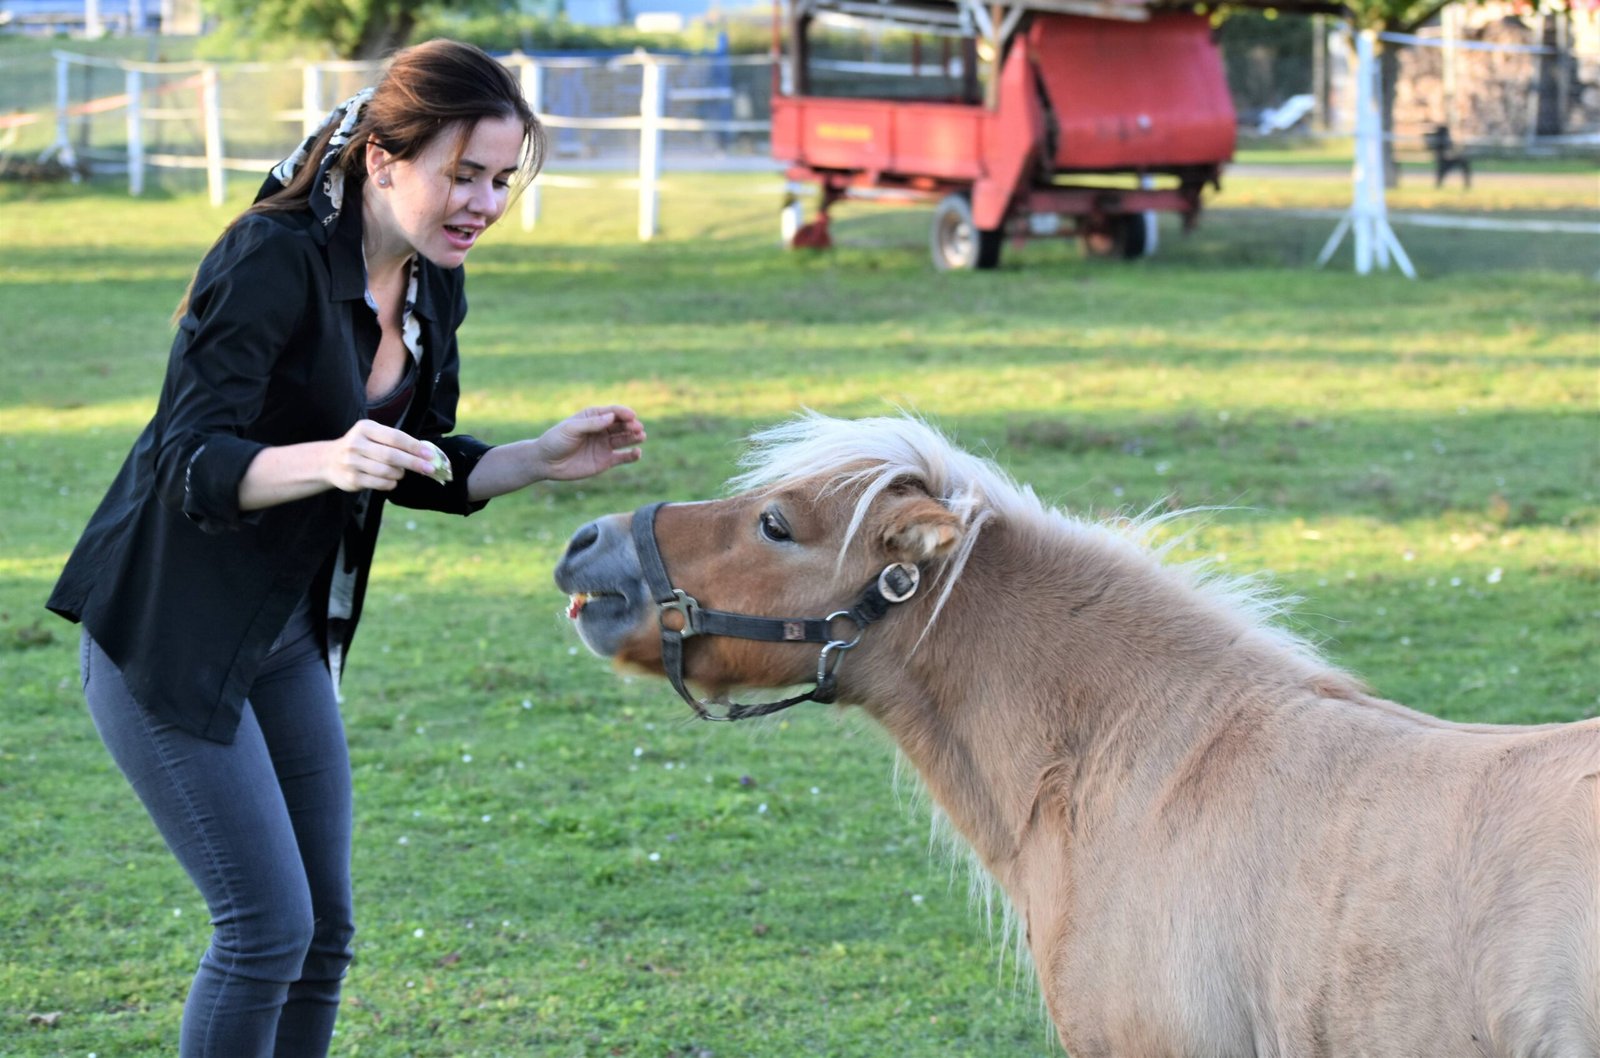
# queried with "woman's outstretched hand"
point(590, 442)
point(582, 445)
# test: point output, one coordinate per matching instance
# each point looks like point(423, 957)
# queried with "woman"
point(313, 377)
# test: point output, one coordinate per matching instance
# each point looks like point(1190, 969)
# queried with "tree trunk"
point(387, 28)
point(1553, 66)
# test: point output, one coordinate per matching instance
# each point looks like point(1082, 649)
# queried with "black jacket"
point(180, 588)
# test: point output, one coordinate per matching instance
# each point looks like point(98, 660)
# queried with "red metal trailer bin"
point(1053, 123)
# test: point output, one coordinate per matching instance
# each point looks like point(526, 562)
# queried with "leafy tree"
point(355, 29)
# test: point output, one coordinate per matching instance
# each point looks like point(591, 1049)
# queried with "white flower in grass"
point(403, 840)
point(487, 817)
point(466, 758)
point(1495, 575)
point(655, 857)
point(418, 932)
point(916, 898)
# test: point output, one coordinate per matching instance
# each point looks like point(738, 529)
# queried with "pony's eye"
point(773, 527)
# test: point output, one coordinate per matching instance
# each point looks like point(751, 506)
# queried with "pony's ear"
point(918, 528)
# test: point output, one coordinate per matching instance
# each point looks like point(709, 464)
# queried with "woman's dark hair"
point(426, 90)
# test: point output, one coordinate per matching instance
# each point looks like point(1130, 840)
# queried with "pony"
point(1215, 841)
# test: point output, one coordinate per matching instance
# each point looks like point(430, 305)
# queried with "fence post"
point(211, 116)
point(62, 148)
point(532, 75)
point(650, 113)
point(311, 109)
point(135, 89)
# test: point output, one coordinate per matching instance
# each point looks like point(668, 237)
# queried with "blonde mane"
point(873, 454)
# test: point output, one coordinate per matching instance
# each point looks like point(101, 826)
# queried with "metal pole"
point(1449, 27)
point(1366, 174)
point(650, 114)
point(135, 89)
point(211, 115)
point(532, 76)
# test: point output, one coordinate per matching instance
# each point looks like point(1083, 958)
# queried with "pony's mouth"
point(580, 600)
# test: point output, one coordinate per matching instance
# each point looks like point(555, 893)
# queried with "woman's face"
point(436, 205)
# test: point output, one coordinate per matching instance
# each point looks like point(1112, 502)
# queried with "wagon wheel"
point(1125, 235)
point(956, 242)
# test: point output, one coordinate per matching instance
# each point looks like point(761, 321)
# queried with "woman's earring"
point(383, 181)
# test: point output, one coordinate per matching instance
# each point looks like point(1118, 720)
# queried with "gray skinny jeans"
point(263, 827)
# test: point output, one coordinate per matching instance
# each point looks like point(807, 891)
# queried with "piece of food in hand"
point(441, 471)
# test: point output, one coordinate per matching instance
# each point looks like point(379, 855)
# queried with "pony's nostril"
point(584, 538)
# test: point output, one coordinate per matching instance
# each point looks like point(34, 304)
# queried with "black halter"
point(895, 584)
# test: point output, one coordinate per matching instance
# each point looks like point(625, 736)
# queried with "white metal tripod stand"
point(1368, 215)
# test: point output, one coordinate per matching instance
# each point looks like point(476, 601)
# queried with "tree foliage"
point(353, 29)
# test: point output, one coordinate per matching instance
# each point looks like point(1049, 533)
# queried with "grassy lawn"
point(554, 861)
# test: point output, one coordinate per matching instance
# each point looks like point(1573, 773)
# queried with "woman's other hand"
point(373, 456)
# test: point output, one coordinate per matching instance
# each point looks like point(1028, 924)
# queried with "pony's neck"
point(1067, 669)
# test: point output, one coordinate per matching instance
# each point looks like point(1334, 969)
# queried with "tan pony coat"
point(1218, 844)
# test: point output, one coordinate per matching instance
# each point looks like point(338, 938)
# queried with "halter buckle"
point(686, 605)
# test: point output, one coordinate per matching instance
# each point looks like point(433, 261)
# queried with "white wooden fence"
point(161, 92)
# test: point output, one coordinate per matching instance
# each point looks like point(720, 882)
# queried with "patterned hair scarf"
point(327, 191)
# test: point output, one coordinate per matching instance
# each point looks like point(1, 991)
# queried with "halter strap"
point(895, 584)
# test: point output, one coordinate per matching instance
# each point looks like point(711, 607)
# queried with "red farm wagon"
point(1016, 120)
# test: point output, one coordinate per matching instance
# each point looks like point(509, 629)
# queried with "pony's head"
point(822, 508)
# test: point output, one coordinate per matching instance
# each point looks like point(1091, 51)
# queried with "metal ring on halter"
point(851, 616)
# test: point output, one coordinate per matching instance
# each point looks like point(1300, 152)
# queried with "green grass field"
point(554, 861)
